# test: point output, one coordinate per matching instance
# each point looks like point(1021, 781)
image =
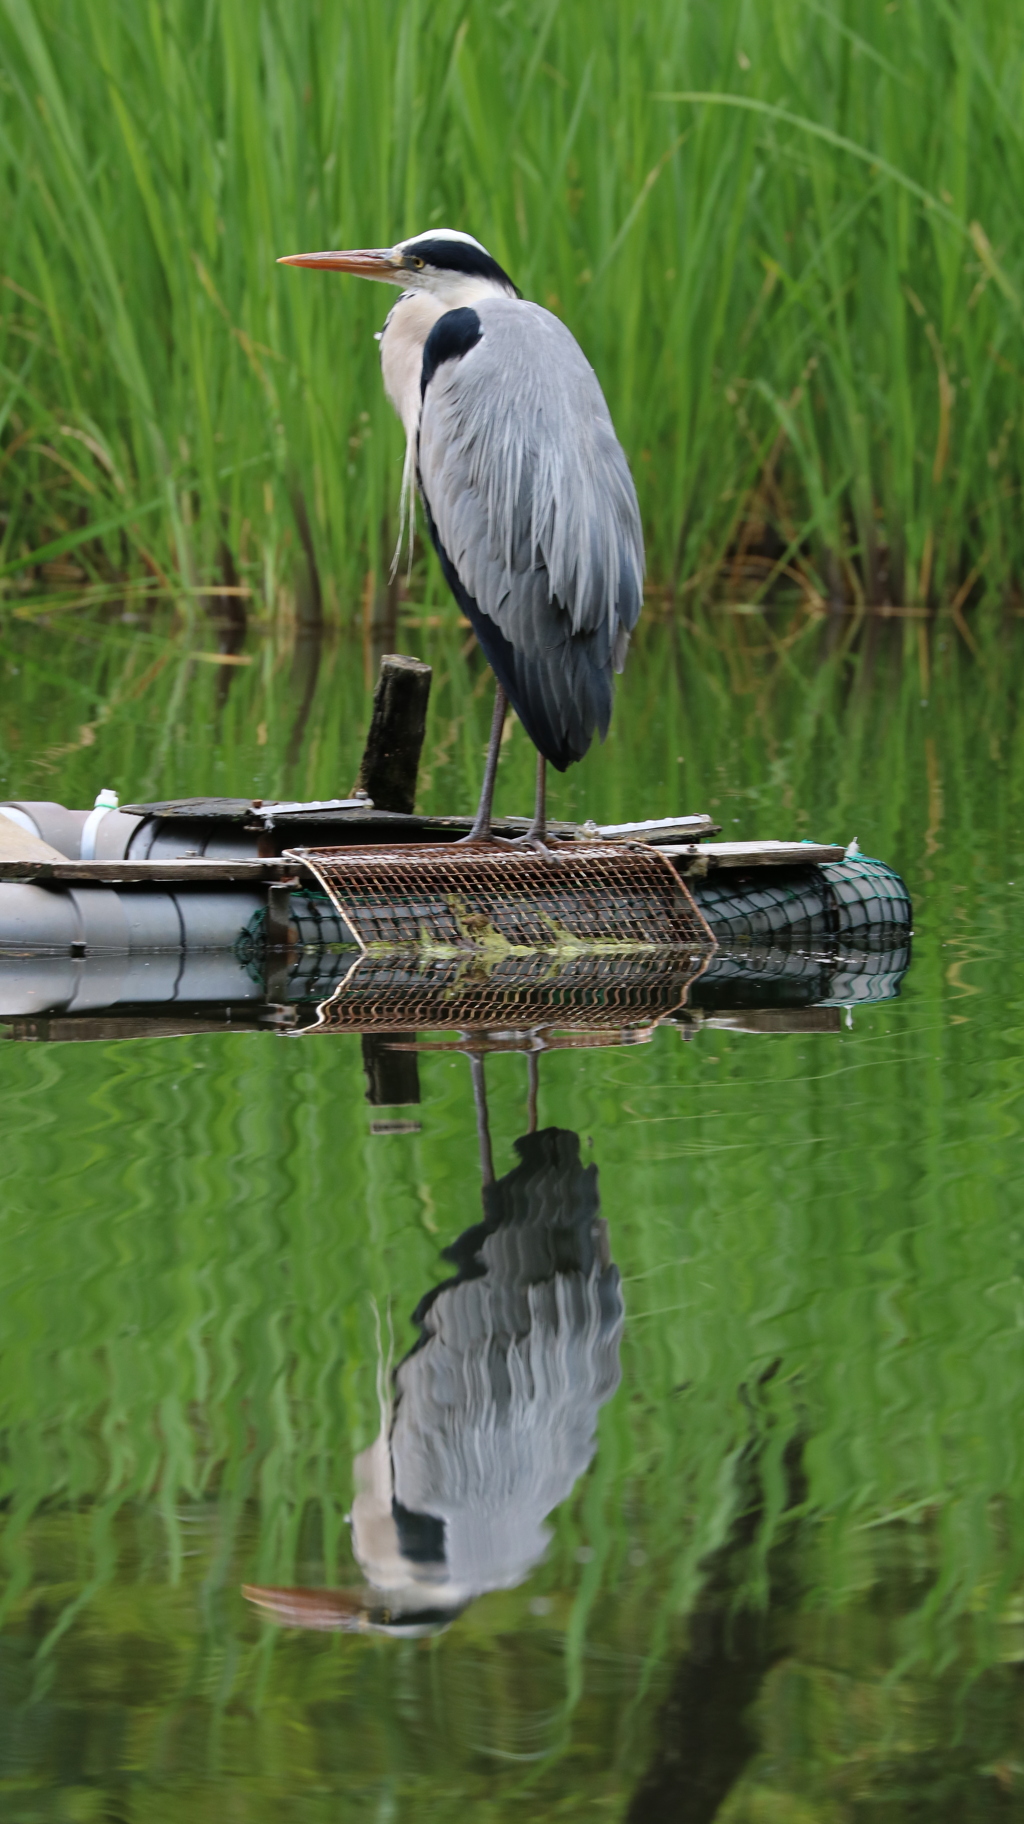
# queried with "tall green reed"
point(788, 238)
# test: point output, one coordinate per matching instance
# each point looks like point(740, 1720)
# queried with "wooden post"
point(392, 1077)
point(278, 930)
point(391, 757)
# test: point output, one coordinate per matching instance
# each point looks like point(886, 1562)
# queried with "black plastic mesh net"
point(833, 973)
point(615, 995)
point(441, 894)
point(856, 899)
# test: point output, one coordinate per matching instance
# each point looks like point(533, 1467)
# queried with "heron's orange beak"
point(371, 263)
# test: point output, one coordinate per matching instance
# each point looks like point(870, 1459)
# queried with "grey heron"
point(527, 493)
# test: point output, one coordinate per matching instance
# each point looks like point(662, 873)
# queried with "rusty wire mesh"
point(587, 993)
point(620, 894)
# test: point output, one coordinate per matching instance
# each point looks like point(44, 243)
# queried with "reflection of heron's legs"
point(533, 1079)
point(481, 830)
point(483, 1132)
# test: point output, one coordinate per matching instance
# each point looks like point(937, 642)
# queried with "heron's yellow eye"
point(413, 259)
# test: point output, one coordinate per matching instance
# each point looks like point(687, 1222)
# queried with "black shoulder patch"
point(452, 336)
point(420, 1536)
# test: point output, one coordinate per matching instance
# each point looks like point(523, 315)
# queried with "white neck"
point(401, 360)
point(401, 352)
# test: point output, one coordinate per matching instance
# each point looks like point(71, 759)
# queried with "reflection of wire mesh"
point(856, 898)
point(738, 975)
point(601, 893)
point(400, 993)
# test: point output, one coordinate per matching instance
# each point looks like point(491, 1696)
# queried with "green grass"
point(789, 238)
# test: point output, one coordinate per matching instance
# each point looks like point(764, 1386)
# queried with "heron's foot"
point(482, 839)
point(540, 840)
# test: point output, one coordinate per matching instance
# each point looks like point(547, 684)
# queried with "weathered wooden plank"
point(200, 810)
point(197, 872)
point(660, 830)
point(247, 810)
point(298, 808)
point(18, 844)
point(697, 859)
point(399, 826)
point(364, 811)
point(691, 858)
point(356, 814)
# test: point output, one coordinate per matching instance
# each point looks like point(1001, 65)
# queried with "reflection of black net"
point(592, 893)
point(404, 992)
point(767, 975)
point(856, 899)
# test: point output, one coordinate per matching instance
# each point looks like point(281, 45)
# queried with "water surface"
point(758, 1552)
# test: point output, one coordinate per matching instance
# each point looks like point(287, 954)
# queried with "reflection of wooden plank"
point(777, 1019)
point(17, 844)
point(691, 858)
point(89, 1027)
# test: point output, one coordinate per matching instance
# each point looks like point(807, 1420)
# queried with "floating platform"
point(349, 913)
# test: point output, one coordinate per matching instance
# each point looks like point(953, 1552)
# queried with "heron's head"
point(452, 266)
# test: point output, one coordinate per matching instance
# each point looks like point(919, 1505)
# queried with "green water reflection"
point(789, 1584)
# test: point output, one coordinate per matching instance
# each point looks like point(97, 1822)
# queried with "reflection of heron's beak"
point(372, 263)
point(349, 1611)
point(328, 1610)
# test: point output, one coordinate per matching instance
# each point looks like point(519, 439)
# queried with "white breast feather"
point(401, 359)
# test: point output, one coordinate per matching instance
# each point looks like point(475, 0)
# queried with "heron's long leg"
point(536, 837)
point(533, 1079)
point(481, 830)
point(483, 1132)
point(539, 827)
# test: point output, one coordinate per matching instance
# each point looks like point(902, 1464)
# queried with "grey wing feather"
point(534, 507)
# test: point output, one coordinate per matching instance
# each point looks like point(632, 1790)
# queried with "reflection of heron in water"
point(495, 1407)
